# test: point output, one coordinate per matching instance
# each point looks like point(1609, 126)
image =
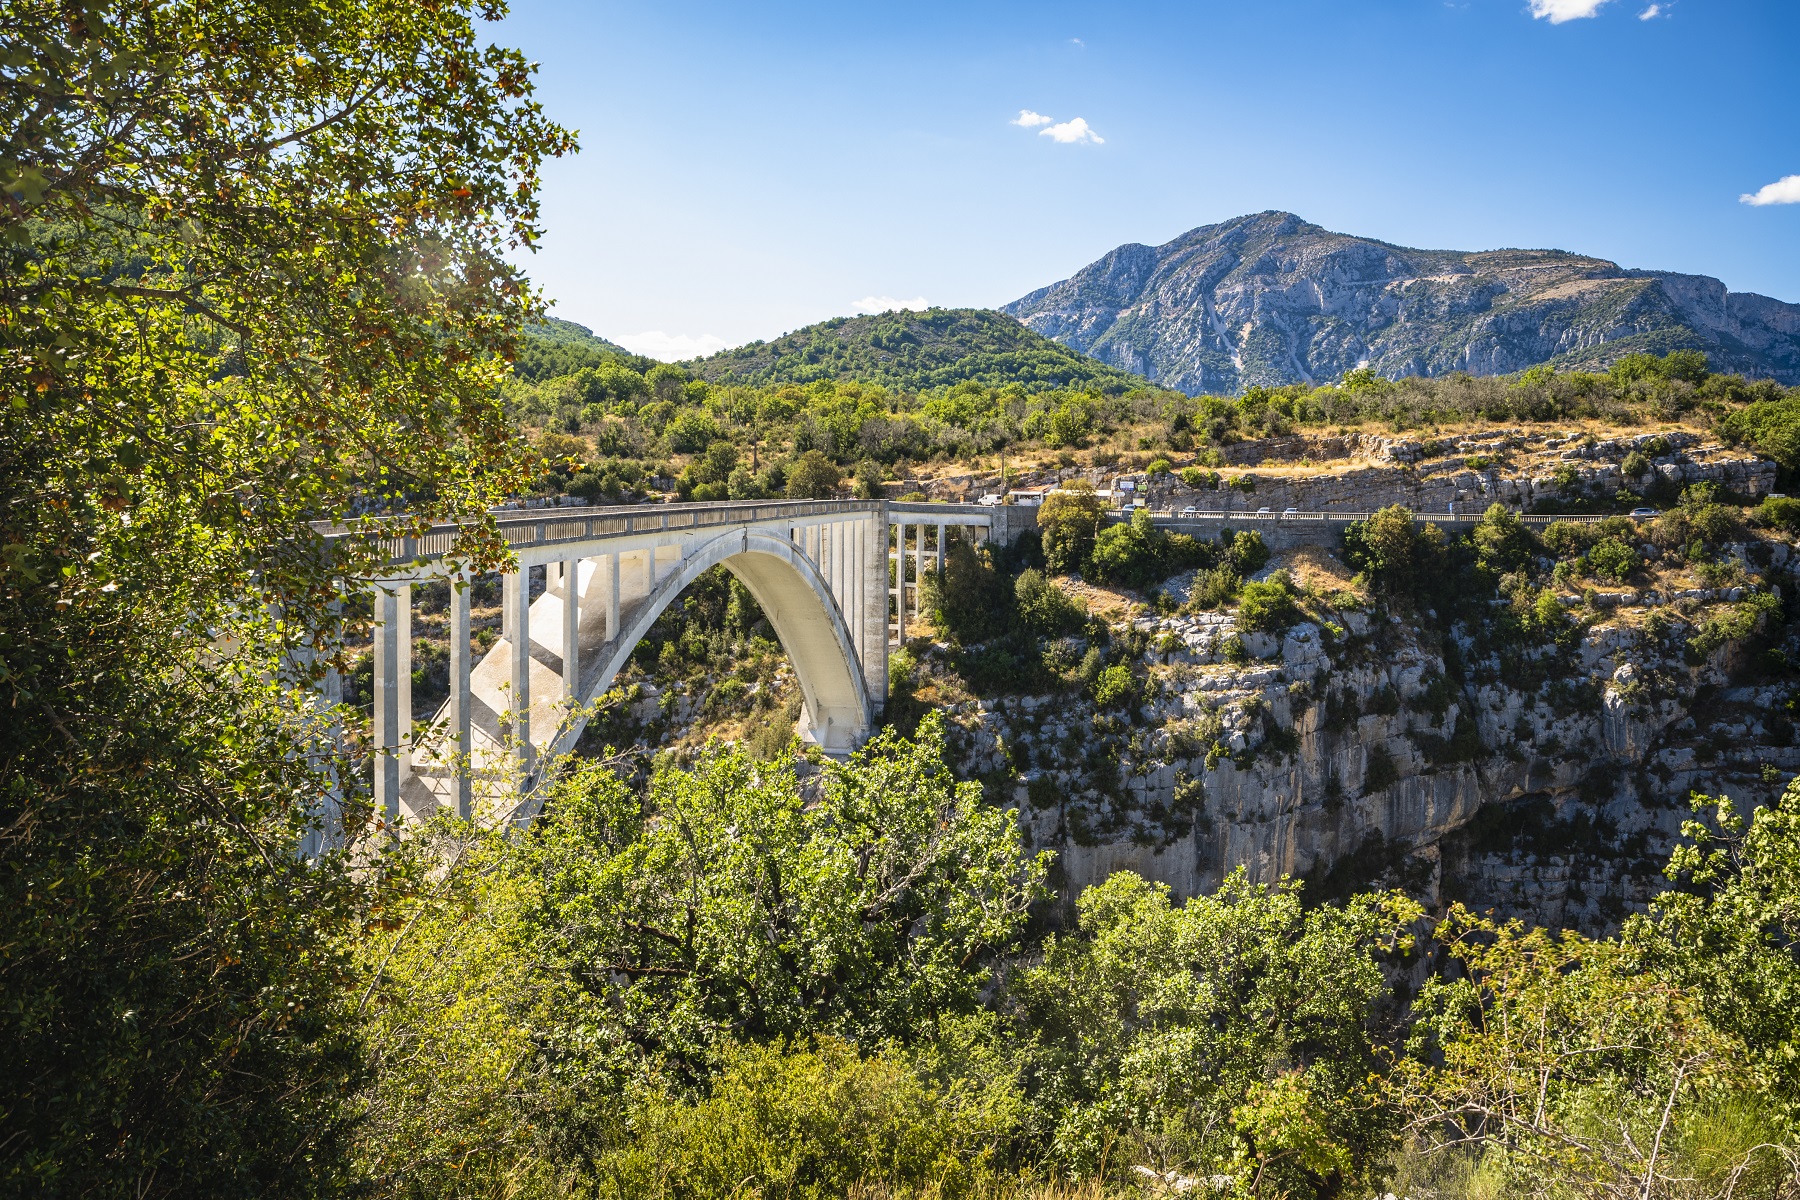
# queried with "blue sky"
point(748, 169)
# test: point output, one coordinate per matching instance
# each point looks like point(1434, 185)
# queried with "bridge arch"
point(799, 605)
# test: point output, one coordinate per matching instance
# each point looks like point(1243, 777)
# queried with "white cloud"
point(1078, 43)
point(880, 304)
point(1651, 13)
point(1031, 120)
point(1785, 190)
point(671, 347)
point(1072, 131)
point(1558, 11)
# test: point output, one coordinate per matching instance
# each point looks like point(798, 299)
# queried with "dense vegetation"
point(915, 351)
point(624, 428)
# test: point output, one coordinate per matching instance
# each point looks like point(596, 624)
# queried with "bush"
point(812, 1122)
point(1044, 608)
point(1401, 556)
point(1779, 512)
point(1612, 560)
point(1113, 686)
point(1568, 539)
point(1268, 607)
point(1635, 466)
point(1215, 587)
point(1247, 553)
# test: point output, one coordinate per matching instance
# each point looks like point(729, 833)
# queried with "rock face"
point(1550, 789)
point(1271, 299)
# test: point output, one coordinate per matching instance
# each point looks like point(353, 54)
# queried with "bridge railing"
point(1435, 518)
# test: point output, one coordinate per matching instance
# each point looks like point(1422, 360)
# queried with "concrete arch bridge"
point(830, 576)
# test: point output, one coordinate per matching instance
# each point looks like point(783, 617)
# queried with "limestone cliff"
point(1271, 299)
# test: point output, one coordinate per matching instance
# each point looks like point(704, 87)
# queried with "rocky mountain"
point(913, 350)
point(1272, 299)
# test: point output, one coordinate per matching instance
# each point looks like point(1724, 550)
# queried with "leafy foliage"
point(254, 275)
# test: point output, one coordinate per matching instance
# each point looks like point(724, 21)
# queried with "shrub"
point(1043, 607)
point(1113, 686)
point(1779, 512)
point(1635, 466)
point(1612, 559)
point(1198, 479)
point(1401, 556)
point(1160, 466)
point(1380, 772)
point(1568, 539)
point(1268, 607)
point(1215, 587)
point(812, 1122)
point(972, 601)
point(1247, 553)
point(1501, 540)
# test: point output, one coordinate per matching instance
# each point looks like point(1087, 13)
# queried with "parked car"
point(1289, 512)
point(1642, 513)
point(991, 500)
point(1190, 511)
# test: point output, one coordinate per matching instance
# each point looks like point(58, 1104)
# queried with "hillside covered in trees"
point(915, 351)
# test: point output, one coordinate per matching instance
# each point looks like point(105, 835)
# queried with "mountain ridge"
point(1270, 298)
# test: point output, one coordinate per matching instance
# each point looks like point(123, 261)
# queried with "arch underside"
point(838, 711)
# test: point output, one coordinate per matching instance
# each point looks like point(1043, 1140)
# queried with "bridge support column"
point(872, 627)
point(461, 697)
point(571, 631)
point(393, 694)
point(612, 597)
point(516, 609)
point(940, 552)
point(900, 583)
point(919, 575)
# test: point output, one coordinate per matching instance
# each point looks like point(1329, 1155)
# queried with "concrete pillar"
point(517, 586)
point(612, 598)
point(571, 632)
point(387, 702)
point(403, 597)
point(919, 574)
point(900, 582)
point(461, 786)
point(873, 566)
point(940, 550)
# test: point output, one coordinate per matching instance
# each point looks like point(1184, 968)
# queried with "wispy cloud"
point(1558, 11)
point(880, 304)
point(671, 347)
point(1031, 120)
point(1078, 43)
point(1072, 131)
point(1785, 190)
point(1651, 13)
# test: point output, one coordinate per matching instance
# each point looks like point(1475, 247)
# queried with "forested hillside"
point(915, 351)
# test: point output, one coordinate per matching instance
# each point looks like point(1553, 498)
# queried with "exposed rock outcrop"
point(1271, 299)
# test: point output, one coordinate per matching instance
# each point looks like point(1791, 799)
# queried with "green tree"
point(1269, 606)
point(1166, 1031)
point(1068, 521)
point(1400, 555)
point(254, 274)
point(1502, 543)
point(814, 477)
point(972, 602)
point(726, 906)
